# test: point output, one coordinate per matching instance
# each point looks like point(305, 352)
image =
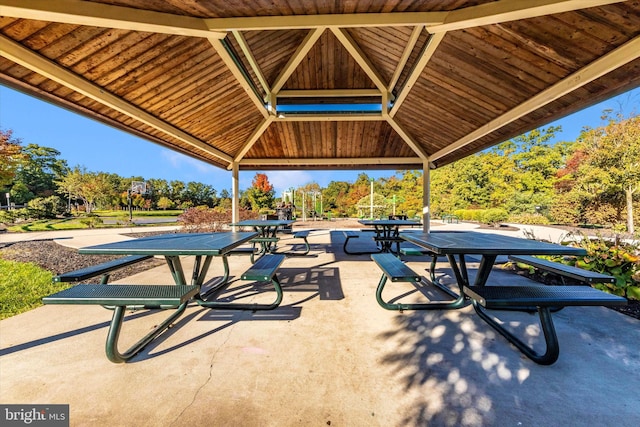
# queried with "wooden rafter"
point(20, 55)
point(299, 22)
point(239, 75)
point(255, 135)
point(336, 161)
point(360, 57)
point(106, 16)
point(509, 10)
point(427, 52)
point(252, 61)
point(406, 138)
point(328, 93)
point(601, 66)
point(415, 35)
point(304, 48)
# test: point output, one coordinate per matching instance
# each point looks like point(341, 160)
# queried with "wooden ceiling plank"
point(356, 52)
point(49, 69)
point(239, 75)
point(510, 10)
point(598, 68)
point(107, 16)
point(351, 20)
point(427, 52)
point(302, 50)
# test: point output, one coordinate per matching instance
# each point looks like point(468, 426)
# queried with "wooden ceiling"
point(291, 84)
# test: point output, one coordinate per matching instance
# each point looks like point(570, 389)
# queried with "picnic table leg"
point(176, 269)
point(458, 302)
point(218, 286)
point(552, 350)
point(111, 347)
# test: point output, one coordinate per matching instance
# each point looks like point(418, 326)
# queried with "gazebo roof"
point(284, 84)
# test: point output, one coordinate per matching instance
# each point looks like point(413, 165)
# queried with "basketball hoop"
point(138, 187)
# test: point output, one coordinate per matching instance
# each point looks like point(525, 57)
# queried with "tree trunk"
point(629, 193)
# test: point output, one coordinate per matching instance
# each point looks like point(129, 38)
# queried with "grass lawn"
point(102, 219)
point(22, 287)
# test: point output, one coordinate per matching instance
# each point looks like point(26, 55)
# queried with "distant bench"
point(563, 270)
point(100, 269)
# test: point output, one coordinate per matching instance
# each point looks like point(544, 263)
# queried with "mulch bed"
point(59, 259)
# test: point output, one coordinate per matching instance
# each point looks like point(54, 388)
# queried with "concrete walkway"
point(329, 355)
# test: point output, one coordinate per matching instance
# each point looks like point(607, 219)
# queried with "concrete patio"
point(329, 355)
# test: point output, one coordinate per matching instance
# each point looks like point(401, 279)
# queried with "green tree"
point(612, 167)
point(165, 203)
point(39, 170)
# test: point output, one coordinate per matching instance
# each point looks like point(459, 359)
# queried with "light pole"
point(371, 200)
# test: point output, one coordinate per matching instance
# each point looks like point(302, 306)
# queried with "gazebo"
point(382, 84)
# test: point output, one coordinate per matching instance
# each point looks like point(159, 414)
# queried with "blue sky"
point(100, 148)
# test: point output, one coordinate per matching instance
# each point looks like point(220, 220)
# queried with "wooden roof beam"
point(255, 135)
point(20, 55)
point(233, 66)
point(356, 52)
point(328, 93)
point(107, 16)
point(427, 52)
point(413, 39)
point(347, 20)
point(302, 50)
point(352, 161)
point(509, 10)
point(252, 60)
point(330, 117)
point(620, 56)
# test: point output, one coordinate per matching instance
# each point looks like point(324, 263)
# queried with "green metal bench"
point(121, 296)
point(563, 270)
point(302, 234)
point(263, 270)
point(100, 269)
point(267, 244)
point(395, 270)
point(422, 252)
point(543, 298)
point(350, 234)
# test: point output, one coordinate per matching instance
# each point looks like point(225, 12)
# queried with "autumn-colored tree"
point(10, 157)
point(261, 194)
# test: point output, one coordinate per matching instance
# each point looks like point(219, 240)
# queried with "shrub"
point(621, 261)
point(205, 219)
point(530, 219)
point(91, 220)
point(494, 216)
